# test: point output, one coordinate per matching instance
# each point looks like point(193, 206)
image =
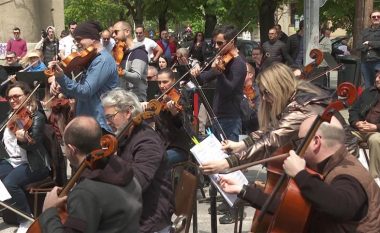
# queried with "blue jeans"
point(231, 127)
point(176, 155)
point(15, 179)
point(368, 72)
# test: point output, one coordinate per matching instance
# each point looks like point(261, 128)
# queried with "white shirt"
point(150, 45)
point(68, 46)
point(109, 46)
point(17, 155)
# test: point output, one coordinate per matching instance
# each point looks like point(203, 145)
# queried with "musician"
point(104, 199)
point(11, 59)
point(23, 157)
point(284, 103)
point(230, 82)
point(134, 63)
point(33, 61)
point(174, 123)
point(145, 151)
point(100, 76)
point(346, 200)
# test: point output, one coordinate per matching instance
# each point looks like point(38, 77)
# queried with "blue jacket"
point(100, 77)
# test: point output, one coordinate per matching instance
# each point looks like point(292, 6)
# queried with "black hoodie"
point(104, 200)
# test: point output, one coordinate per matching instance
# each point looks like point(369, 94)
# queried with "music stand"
point(4, 110)
point(11, 69)
point(153, 90)
point(32, 78)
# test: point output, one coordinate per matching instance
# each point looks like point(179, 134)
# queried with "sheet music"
point(4, 194)
point(210, 149)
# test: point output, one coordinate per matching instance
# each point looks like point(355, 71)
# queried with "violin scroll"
point(109, 146)
point(317, 55)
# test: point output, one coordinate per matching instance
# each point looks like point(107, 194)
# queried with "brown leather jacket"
point(302, 105)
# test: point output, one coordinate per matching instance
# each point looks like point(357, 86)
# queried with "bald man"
point(134, 63)
point(346, 200)
point(104, 199)
point(107, 41)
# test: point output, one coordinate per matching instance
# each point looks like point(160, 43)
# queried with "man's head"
point(375, 17)
point(11, 58)
point(50, 31)
point(165, 79)
point(72, 26)
point(329, 137)
point(140, 32)
point(272, 34)
point(82, 136)
point(164, 35)
point(152, 73)
point(257, 55)
point(222, 36)
point(122, 31)
point(119, 106)
point(16, 32)
point(278, 28)
point(106, 37)
point(87, 34)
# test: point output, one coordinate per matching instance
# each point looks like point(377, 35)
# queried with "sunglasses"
point(375, 16)
point(13, 97)
point(16, 32)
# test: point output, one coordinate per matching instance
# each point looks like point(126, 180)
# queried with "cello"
point(293, 210)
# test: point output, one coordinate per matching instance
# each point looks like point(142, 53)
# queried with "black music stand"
point(4, 110)
point(153, 90)
point(32, 78)
point(11, 69)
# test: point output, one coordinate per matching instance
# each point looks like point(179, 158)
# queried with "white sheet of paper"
point(4, 194)
point(210, 149)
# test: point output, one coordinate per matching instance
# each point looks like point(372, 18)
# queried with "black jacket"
point(105, 200)
point(144, 150)
point(293, 45)
point(36, 152)
point(363, 104)
point(371, 51)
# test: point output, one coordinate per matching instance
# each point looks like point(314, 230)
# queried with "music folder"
point(32, 78)
point(11, 69)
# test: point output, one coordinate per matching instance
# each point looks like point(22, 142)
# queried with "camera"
point(43, 33)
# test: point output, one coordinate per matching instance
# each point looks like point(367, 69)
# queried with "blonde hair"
point(279, 80)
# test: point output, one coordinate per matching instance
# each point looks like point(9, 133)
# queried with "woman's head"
point(163, 62)
point(199, 37)
point(16, 93)
point(277, 84)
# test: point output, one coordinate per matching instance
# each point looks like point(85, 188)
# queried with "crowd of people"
point(109, 92)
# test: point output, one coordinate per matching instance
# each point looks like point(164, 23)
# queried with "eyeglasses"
point(16, 32)
point(118, 30)
point(110, 117)
point(14, 97)
point(220, 43)
point(106, 39)
point(9, 57)
point(375, 16)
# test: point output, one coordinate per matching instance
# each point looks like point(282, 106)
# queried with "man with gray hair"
point(347, 199)
point(142, 147)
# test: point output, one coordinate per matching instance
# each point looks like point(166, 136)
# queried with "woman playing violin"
point(347, 200)
point(174, 123)
point(284, 103)
point(24, 157)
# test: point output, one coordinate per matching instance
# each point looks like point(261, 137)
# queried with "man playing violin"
point(346, 200)
point(23, 157)
point(99, 77)
point(104, 199)
point(134, 63)
point(144, 150)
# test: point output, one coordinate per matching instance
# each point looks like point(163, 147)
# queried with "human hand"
point(171, 107)
point(230, 185)
point(20, 135)
point(195, 71)
point(293, 164)
point(366, 42)
point(52, 199)
point(359, 124)
point(215, 166)
point(55, 88)
point(368, 127)
point(58, 72)
point(231, 146)
point(144, 105)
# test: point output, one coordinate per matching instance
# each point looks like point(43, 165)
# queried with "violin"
point(22, 120)
point(172, 95)
point(76, 62)
point(223, 60)
point(108, 147)
point(118, 54)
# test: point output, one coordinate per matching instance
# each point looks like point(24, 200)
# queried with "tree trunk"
point(363, 10)
point(139, 18)
point(266, 18)
point(162, 21)
point(210, 23)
